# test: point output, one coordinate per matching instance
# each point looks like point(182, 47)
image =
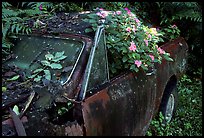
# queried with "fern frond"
point(29, 12)
point(31, 5)
point(8, 13)
point(6, 44)
point(5, 28)
point(12, 19)
point(189, 14)
point(48, 5)
point(5, 5)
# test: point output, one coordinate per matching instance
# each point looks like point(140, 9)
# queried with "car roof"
point(64, 23)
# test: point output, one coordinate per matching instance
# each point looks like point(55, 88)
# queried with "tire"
point(169, 102)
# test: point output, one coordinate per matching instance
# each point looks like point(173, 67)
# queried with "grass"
point(188, 117)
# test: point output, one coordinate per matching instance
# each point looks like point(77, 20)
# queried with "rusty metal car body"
point(122, 105)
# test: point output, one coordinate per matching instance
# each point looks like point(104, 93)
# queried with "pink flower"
point(174, 26)
point(128, 11)
point(138, 63)
point(146, 42)
point(137, 21)
point(102, 14)
point(40, 7)
point(132, 46)
point(152, 57)
point(118, 12)
point(161, 51)
point(128, 29)
point(149, 36)
point(101, 9)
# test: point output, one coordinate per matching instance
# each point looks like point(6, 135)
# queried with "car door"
point(123, 105)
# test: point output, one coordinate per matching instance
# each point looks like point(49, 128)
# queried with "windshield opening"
point(30, 51)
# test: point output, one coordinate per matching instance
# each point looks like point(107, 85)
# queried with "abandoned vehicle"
point(82, 99)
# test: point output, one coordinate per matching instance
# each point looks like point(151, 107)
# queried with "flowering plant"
point(132, 44)
point(171, 32)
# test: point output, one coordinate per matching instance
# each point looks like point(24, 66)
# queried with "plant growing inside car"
point(171, 32)
point(132, 45)
point(51, 61)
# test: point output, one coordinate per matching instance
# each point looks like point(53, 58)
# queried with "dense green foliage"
point(15, 15)
point(188, 117)
point(187, 16)
point(131, 44)
point(13, 22)
point(51, 62)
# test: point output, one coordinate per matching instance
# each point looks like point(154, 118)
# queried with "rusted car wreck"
point(122, 105)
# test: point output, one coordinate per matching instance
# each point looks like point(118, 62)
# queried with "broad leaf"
point(133, 67)
point(4, 89)
point(59, 58)
point(38, 78)
point(47, 74)
point(124, 50)
point(56, 66)
point(124, 59)
point(32, 76)
point(167, 57)
point(49, 56)
point(87, 30)
point(16, 109)
point(37, 70)
point(45, 62)
point(59, 54)
point(14, 78)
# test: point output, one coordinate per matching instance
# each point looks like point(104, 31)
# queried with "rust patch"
point(92, 108)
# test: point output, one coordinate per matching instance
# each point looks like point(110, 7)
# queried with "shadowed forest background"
point(187, 16)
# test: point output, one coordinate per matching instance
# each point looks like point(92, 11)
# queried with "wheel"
point(169, 102)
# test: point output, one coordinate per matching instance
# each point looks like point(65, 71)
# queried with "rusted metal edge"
point(17, 123)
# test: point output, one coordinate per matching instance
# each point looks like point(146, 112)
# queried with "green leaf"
point(16, 109)
point(4, 89)
point(32, 76)
point(87, 30)
point(124, 58)
point(133, 67)
point(137, 56)
point(37, 70)
point(5, 29)
point(85, 20)
point(59, 58)
point(14, 78)
point(45, 62)
point(17, 28)
point(49, 56)
point(167, 57)
point(62, 110)
point(47, 74)
point(124, 49)
point(38, 78)
point(92, 21)
point(59, 54)
point(144, 67)
point(70, 105)
point(56, 66)
point(13, 27)
point(113, 70)
point(13, 36)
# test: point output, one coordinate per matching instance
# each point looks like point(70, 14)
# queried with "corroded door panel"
point(123, 108)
